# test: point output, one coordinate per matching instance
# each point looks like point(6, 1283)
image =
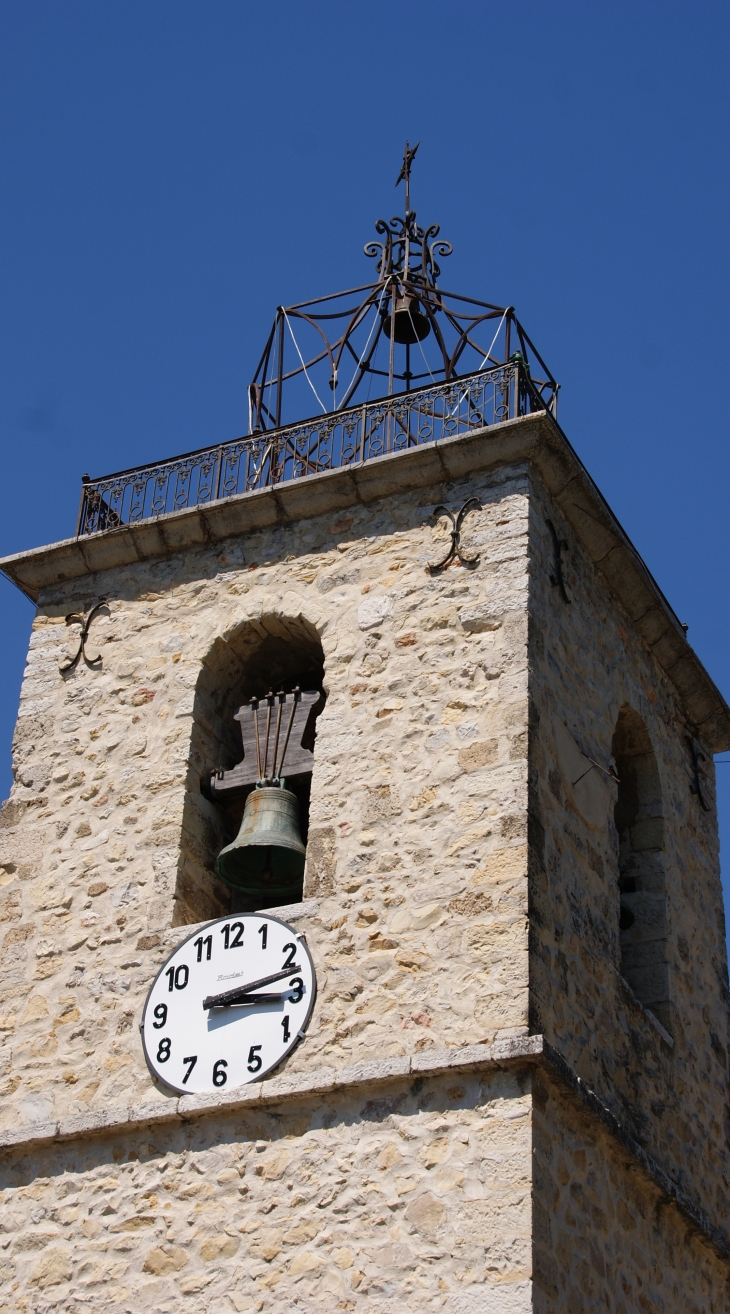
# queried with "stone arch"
point(642, 877)
point(269, 652)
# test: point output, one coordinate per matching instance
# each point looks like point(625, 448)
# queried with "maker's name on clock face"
point(229, 1004)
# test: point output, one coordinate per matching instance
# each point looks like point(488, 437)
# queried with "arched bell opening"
point(642, 903)
point(277, 655)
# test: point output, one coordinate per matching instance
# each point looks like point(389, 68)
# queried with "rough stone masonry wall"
point(604, 1237)
point(585, 663)
point(417, 832)
point(416, 1198)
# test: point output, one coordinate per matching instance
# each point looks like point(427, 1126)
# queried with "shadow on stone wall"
point(604, 1236)
point(642, 883)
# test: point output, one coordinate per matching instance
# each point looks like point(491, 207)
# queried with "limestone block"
point(484, 617)
point(320, 862)
point(374, 610)
point(165, 1260)
point(53, 1268)
point(416, 919)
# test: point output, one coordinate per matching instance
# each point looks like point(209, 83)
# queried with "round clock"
point(229, 1004)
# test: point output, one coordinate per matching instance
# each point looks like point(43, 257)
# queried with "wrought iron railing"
point(331, 441)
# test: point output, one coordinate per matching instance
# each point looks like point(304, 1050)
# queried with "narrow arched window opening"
point(271, 655)
point(642, 883)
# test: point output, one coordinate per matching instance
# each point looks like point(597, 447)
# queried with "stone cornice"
point(301, 1085)
point(589, 1101)
point(533, 1050)
point(534, 438)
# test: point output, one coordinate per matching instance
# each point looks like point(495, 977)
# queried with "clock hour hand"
point(240, 993)
point(241, 1000)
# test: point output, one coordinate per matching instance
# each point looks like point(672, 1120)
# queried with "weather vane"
point(405, 173)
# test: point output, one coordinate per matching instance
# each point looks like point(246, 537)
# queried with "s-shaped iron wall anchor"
point(85, 622)
point(696, 786)
point(556, 579)
point(471, 504)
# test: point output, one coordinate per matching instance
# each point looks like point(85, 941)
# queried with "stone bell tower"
point(512, 1094)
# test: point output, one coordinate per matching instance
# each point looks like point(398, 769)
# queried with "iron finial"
point(405, 173)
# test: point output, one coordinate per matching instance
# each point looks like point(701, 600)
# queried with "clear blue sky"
point(171, 171)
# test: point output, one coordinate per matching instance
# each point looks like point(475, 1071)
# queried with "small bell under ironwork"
point(410, 324)
point(265, 861)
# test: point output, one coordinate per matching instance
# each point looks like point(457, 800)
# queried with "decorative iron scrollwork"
point(457, 521)
point(332, 345)
point(329, 442)
point(447, 363)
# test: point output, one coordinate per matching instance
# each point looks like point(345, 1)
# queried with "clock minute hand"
point(234, 996)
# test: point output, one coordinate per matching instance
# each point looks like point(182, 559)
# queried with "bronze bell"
point(410, 323)
point(265, 861)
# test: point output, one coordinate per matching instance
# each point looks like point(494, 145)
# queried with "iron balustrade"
point(328, 442)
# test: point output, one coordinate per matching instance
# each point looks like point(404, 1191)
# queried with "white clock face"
point(229, 1004)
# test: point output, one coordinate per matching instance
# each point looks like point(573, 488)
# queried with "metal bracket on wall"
point(556, 579)
point(471, 504)
point(609, 771)
point(696, 786)
point(75, 618)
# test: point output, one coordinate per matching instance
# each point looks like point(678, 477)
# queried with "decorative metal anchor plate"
point(609, 771)
point(696, 786)
point(556, 579)
point(74, 618)
point(471, 504)
point(271, 730)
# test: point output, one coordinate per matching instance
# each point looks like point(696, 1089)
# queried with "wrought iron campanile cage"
point(440, 364)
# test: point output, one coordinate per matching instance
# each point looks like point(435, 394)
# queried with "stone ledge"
point(501, 1051)
point(515, 1050)
point(287, 1086)
point(33, 1133)
point(534, 438)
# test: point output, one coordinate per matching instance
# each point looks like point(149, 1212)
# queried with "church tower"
point(362, 931)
